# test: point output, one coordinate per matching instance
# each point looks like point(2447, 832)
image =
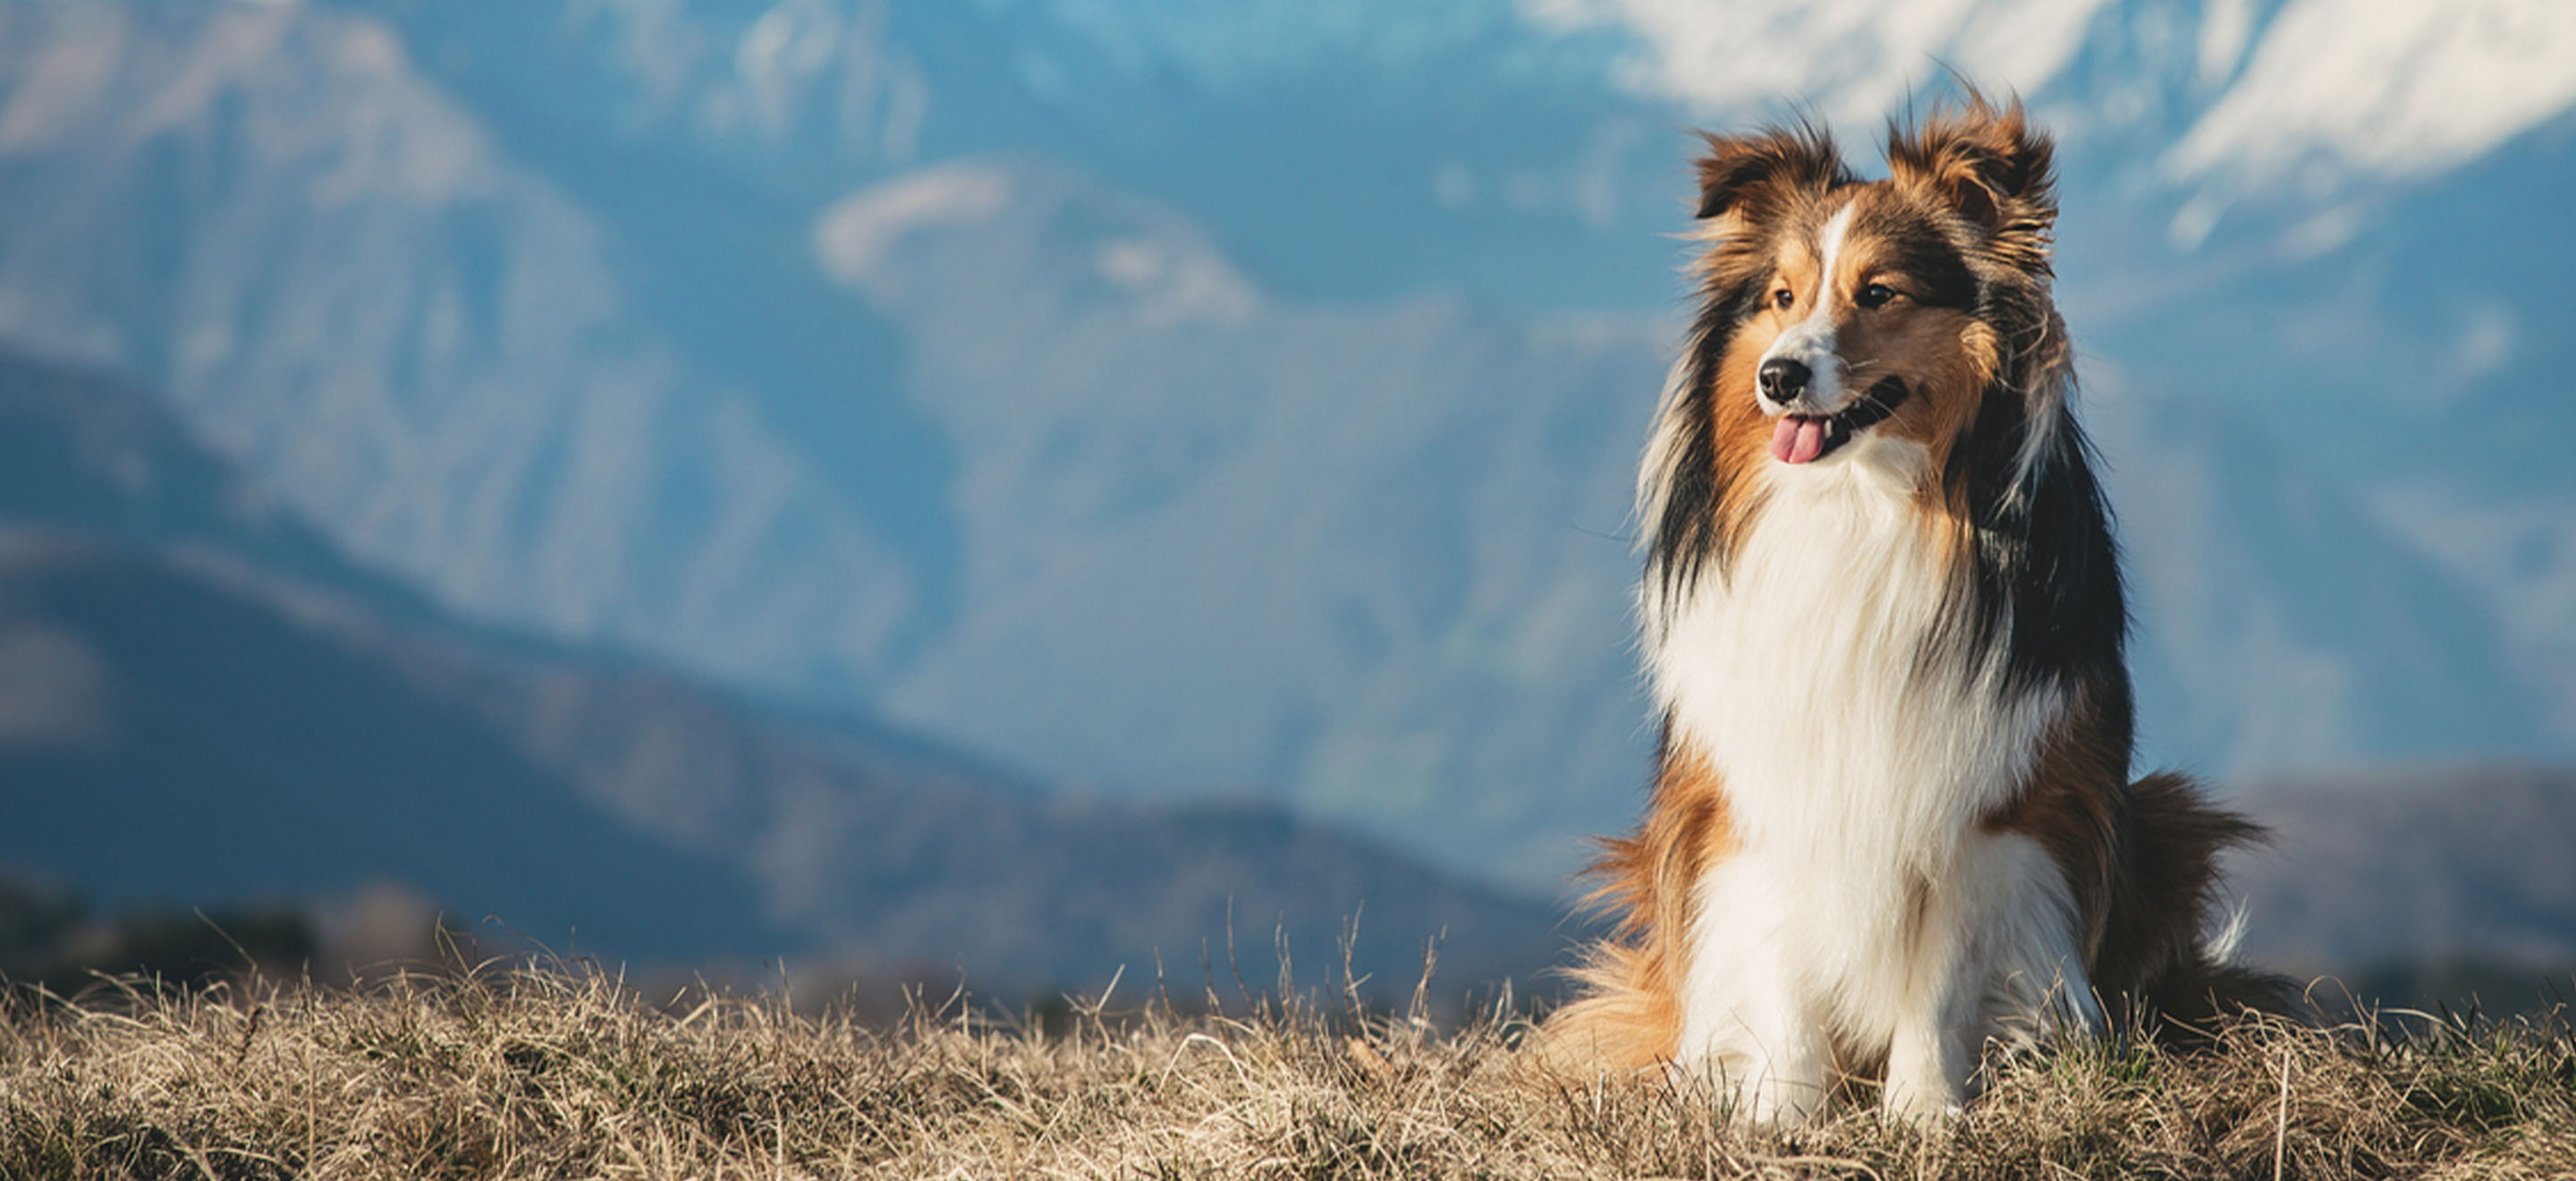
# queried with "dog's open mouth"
point(1806, 438)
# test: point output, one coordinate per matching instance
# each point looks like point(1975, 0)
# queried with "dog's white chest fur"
point(1863, 911)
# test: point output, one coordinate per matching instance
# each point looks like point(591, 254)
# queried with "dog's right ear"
point(1989, 165)
point(1749, 177)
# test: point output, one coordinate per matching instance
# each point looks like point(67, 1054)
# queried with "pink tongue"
point(1797, 440)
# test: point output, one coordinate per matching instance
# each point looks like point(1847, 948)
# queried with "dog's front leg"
point(1747, 1027)
point(1933, 1048)
point(1996, 957)
point(1933, 1054)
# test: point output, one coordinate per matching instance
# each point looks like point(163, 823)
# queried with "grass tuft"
point(562, 1073)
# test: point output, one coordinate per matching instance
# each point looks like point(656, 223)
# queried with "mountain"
point(182, 720)
point(1195, 399)
point(1109, 499)
point(2277, 620)
point(169, 739)
point(1507, 165)
point(86, 454)
point(2426, 863)
point(428, 352)
point(1357, 560)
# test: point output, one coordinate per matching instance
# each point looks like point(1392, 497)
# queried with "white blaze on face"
point(1810, 341)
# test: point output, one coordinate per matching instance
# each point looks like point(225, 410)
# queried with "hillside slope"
point(1217, 399)
point(180, 720)
point(2413, 864)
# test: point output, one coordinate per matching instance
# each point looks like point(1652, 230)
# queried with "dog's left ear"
point(1750, 178)
point(1988, 165)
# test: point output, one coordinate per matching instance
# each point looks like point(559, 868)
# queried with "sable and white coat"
point(1892, 818)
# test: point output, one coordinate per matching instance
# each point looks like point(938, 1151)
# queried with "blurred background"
point(1016, 490)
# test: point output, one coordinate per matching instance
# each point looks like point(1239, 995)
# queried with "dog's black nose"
point(1783, 379)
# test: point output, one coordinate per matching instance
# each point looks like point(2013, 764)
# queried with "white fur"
point(1810, 341)
point(1865, 911)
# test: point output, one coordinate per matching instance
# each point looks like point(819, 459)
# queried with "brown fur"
point(2071, 805)
point(1945, 356)
point(1755, 190)
point(1630, 1019)
point(1992, 169)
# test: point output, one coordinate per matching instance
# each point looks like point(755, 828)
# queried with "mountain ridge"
point(179, 720)
point(1093, 479)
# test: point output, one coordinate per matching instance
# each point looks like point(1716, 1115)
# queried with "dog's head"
point(1886, 308)
point(1904, 324)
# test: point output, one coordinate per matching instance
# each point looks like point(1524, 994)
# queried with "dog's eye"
point(1876, 295)
point(1782, 298)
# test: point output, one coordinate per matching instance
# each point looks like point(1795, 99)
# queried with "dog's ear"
point(1749, 177)
point(1988, 165)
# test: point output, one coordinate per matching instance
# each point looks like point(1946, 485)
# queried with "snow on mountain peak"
point(1162, 269)
point(2391, 88)
point(852, 237)
point(2315, 91)
point(1854, 60)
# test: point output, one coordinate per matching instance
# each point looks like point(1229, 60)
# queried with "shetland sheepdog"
point(1892, 819)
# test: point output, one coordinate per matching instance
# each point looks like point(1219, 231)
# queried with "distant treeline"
point(2458, 985)
point(57, 940)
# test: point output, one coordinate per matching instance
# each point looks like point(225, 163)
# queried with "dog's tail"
point(2161, 941)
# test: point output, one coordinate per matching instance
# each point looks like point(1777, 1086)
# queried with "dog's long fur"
point(1893, 818)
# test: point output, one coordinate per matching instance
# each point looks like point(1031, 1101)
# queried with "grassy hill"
point(549, 1075)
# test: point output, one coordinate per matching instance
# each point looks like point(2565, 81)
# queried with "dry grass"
point(568, 1074)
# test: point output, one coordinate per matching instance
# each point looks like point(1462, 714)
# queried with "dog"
point(1892, 818)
